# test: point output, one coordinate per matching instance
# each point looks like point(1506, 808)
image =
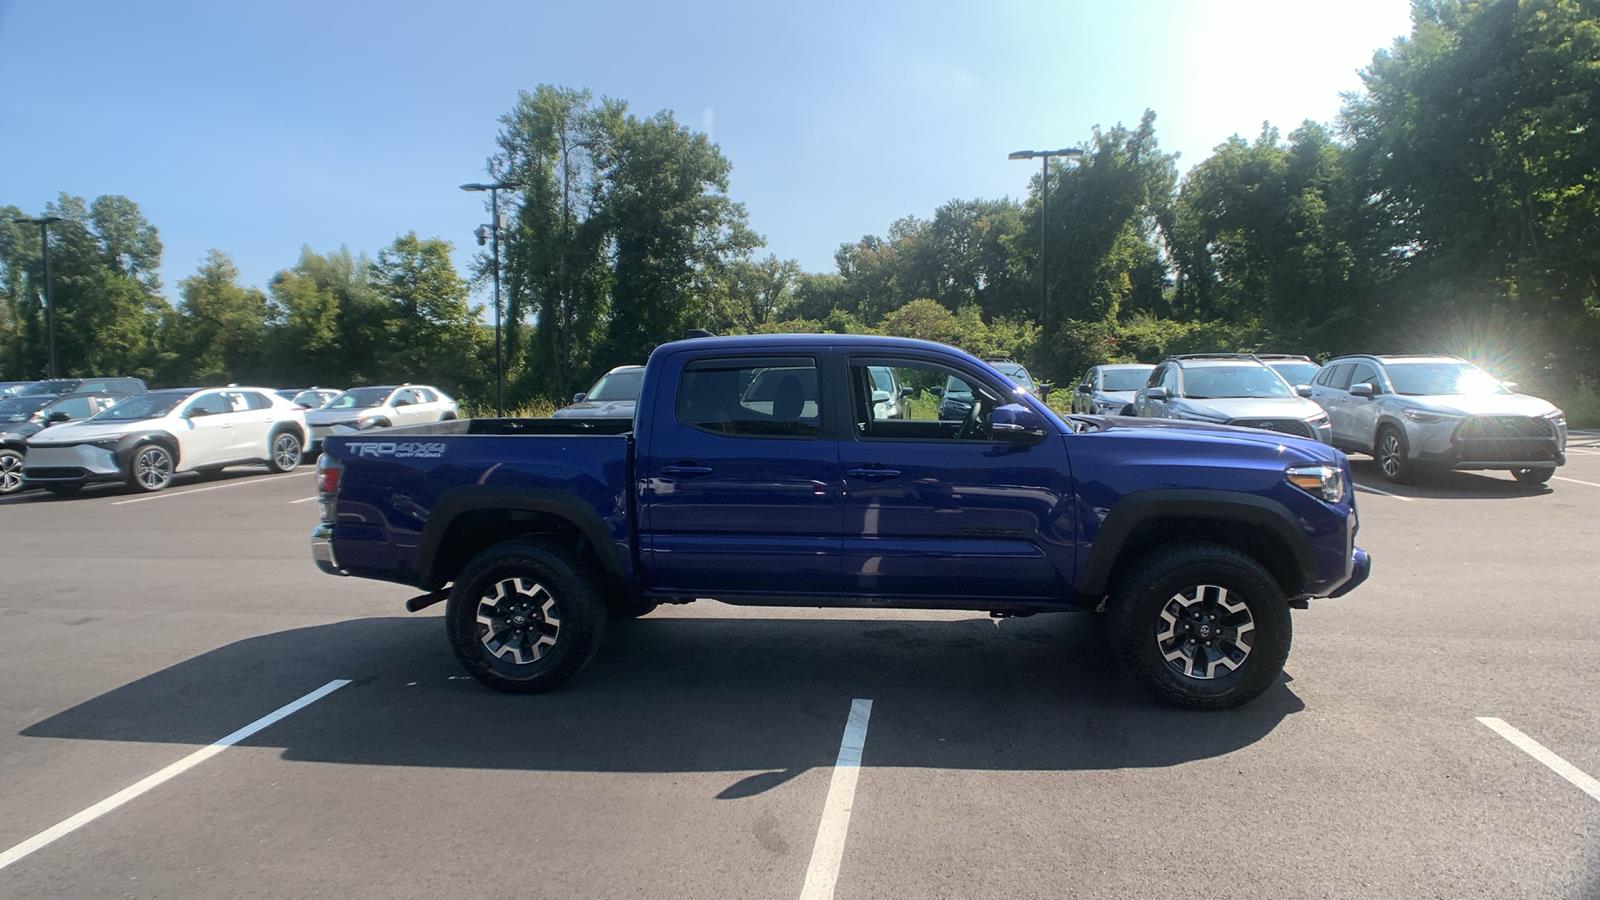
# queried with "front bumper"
point(1450, 445)
point(70, 464)
point(322, 550)
point(1360, 570)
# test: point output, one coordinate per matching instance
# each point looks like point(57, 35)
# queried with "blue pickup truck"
point(759, 470)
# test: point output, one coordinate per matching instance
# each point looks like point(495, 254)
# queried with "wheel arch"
point(131, 443)
point(470, 519)
point(1259, 527)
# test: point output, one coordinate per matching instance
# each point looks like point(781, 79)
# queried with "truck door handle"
point(685, 471)
point(873, 473)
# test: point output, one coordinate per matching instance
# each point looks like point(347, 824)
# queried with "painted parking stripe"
point(1574, 480)
point(302, 500)
point(215, 487)
point(828, 852)
point(67, 826)
point(1373, 490)
point(1544, 755)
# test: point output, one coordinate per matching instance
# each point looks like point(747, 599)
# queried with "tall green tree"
point(220, 330)
point(432, 334)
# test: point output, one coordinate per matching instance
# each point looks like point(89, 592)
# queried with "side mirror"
point(579, 397)
point(881, 397)
point(1085, 388)
point(908, 392)
point(57, 417)
point(1155, 393)
point(936, 391)
point(1015, 423)
point(1303, 390)
point(1510, 386)
point(1361, 390)
point(1044, 390)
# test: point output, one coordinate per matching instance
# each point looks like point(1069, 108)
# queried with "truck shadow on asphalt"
point(667, 694)
point(1447, 484)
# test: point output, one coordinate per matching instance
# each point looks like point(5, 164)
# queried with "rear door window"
point(768, 397)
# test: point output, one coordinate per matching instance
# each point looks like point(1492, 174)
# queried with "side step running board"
point(426, 600)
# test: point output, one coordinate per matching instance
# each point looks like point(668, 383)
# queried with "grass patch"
point(1581, 403)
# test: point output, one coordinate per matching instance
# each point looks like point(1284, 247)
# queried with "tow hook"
point(426, 600)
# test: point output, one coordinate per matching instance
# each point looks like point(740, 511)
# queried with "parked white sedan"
point(147, 438)
point(379, 407)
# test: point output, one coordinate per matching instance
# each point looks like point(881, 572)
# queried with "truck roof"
point(757, 341)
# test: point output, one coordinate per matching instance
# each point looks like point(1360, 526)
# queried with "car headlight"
point(1323, 482)
point(1423, 417)
point(109, 442)
point(1320, 418)
point(1557, 418)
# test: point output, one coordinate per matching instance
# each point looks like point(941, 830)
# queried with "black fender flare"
point(132, 442)
point(460, 501)
point(1140, 507)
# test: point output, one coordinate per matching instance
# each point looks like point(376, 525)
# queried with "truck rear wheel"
point(1201, 626)
point(524, 616)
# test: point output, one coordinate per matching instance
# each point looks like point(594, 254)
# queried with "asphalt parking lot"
point(158, 635)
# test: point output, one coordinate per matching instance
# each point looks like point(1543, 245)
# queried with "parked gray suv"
point(1109, 390)
point(1416, 412)
point(1229, 389)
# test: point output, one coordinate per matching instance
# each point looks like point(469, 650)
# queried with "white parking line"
point(1373, 490)
point(67, 826)
point(215, 487)
point(303, 500)
point(1574, 480)
point(828, 852)
point(1538, 751)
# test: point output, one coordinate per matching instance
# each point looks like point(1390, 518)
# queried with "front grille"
point(1296, 427)
point(1509, 438)
point(1492, 427)
point(50, 473)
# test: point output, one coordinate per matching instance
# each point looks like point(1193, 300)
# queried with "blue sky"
point(257, 128)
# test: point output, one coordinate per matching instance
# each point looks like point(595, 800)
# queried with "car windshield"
point(1123, 379)
point(1296, 372)
point(617, 386)
point(1422, 379)
point(19, 409)
point(1016, 373)
point(1215, 382)
point(360, 398)
point(143, 406)
point(38, 388)
point(313, 399)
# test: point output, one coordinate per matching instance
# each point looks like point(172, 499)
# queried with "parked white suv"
point(1415, 412)
point(379, 407)
point(147, 438)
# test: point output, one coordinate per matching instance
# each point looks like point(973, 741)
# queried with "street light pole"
point(44, 223)
point(1044, 208)
point(494, 239)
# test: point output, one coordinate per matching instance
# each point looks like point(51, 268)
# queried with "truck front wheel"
point(524, 616)
point(1201, 626)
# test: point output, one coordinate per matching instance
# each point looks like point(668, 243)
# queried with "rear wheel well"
point(1260, 544)
point(477, 530)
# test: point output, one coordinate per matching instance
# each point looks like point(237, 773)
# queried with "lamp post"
point(44, 223)
point(1044, 206)
point(494, 237)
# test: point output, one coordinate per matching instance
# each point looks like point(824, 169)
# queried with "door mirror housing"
point(579, 397)
point(1155, 393)
point(881, 397)
point(908, 392)
point(1361, 390)
point(57, 417)
point(937, 391)
point(1303, 390)
point(1085, 388)
point(1015, 423)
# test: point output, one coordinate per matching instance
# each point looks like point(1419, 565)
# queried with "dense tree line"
point(1453, 206)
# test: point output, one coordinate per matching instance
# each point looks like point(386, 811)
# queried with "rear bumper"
point(322, 550)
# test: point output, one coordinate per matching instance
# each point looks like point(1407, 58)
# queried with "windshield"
point(1216, 382)
point(617, 386)
point(59, 386)
point(1016, 373)
point(1123, 379)
point(19, 409)
point(360, 398)
point(1296, 372)
point(1421, 379)
point(142, 406)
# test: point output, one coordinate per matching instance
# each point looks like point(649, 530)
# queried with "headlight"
point(1323, 482)
point(1320, 418)
point(109, 442)
point(1557, 418)
point(1424, 417)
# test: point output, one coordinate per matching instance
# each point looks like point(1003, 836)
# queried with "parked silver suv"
point(1229, 389)
point(1413, 412)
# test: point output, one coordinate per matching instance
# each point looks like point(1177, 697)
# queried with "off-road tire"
point(1135, 620)
point(556, 570)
